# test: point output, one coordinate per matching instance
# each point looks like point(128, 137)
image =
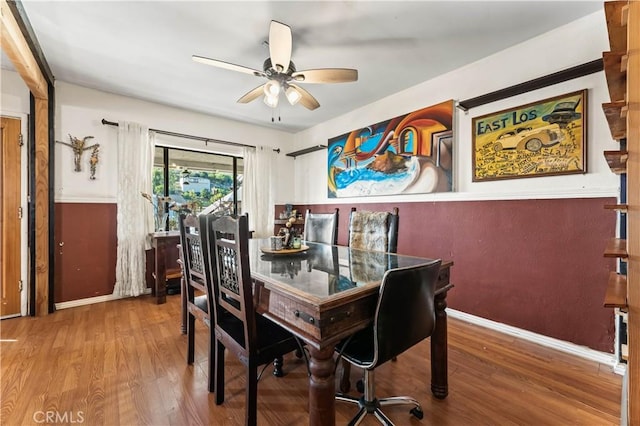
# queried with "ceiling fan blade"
point(326, 75)
point(227, 65)
point(252, 95)
point(280, 46)
point(307, 100)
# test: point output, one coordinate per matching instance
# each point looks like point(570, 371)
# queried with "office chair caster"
point(417, 412)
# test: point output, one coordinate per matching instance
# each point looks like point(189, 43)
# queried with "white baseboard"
point(92, 300)
point(550, 342)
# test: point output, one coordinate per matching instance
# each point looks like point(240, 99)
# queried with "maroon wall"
point(85, 266)
point(533, 264)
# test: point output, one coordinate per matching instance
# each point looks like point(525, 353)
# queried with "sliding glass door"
point(194, 181)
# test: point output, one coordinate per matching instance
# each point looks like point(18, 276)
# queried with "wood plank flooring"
point(124, 363)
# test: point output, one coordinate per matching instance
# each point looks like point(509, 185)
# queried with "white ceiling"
point(143, 49)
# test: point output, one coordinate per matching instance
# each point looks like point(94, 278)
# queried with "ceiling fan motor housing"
point(271, 72)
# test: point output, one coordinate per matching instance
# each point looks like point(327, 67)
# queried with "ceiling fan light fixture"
point(271, 101)
point(272, 88)
point(293, 96)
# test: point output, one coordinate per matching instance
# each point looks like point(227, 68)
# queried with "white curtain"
point(257, 189)
point(135, 213)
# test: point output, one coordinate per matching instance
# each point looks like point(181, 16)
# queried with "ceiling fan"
point(281, 73)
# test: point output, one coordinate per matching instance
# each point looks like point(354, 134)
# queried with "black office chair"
point(252, 338)
point(194, 259)
point(405, 315)
point(321, 227)
point(376, 231)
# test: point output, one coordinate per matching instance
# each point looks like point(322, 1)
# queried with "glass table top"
point(324, 271)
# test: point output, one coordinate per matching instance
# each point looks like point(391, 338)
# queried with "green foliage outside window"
point(221, 185)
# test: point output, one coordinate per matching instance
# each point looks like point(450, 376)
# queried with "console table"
point(165, 244)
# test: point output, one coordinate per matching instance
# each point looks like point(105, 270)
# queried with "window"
point(194, 181)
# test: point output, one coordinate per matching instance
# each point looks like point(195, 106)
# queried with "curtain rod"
point(183, 135)
point(537, 83)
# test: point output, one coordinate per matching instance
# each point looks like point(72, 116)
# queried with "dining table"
point(323, 293)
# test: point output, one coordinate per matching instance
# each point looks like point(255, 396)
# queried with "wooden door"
point(10, 246)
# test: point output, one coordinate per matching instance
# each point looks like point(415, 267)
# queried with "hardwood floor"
point(124, 363)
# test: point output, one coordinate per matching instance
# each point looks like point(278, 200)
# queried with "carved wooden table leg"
point(439, 385)
point(321, 387)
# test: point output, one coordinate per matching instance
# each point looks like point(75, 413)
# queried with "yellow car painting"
point(529, 138)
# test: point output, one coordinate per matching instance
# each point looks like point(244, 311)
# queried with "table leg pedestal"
point(439, 385)
point(321, 387)
point(161, 272)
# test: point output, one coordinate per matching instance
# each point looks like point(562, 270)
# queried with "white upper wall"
point(79, 112)
point(14, 94)
point(579, 42)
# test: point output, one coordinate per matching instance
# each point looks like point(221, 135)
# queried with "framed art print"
point(408, 154)
point(543, 138)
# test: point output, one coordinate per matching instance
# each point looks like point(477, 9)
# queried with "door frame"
point(24, 197)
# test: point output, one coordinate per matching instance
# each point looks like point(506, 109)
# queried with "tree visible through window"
point(195, 181)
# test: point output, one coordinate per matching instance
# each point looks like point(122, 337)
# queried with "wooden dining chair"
point(321, 227)
point(194, 259)
point(252, 338)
